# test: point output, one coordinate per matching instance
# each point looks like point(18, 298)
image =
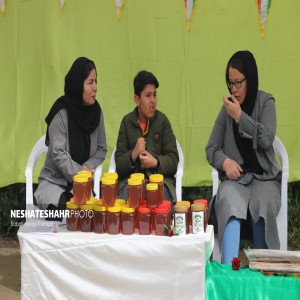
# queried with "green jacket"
point(160, 142)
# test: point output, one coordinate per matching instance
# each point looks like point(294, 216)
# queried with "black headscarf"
point(82, 119)
point(249, 68)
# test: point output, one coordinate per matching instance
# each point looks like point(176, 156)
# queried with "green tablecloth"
point(224, 283)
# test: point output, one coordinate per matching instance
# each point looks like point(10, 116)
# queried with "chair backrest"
point(282, 219)
point(38, 149)
point(179, 173)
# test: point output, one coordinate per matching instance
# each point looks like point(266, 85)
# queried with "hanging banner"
point(61, 5)
point(190, 6)
point(119, 4)
point(2, 6)
point(263, 7)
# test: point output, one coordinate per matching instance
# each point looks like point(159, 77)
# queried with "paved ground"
point(10, 270)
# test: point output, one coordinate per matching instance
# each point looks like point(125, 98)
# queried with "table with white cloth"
point(80, 265)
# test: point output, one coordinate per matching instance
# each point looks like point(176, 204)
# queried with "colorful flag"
point(2, 6)
point(263, 7)
point(119, 4)
point(190, 6)
point(61, 5)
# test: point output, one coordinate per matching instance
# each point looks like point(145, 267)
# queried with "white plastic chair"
point(282, 218)
point(38, 149)
point(179, 173)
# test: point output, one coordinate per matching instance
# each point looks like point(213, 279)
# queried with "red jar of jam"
point(80, 189)
point(86, 215)
point(99, 218)
point(161, 216)
point(127, 220)
point(140, 176)
point(152, 195)
point(159, 179)
point(113, 219)
point(144, 220)
point(72, 219)
point(108, 191)
point(134, 189)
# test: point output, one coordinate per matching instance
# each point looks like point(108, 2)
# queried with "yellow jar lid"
point(85, 173)
point(156, 178)
point(72, 205)
point(127, 209)
point(111, 174)
point(108, 180)
point(138, 175)
point(90, 202)
point(152, 186)
point(134, 181)
point(72, 200)
point(180, 208)
point(94, 200)
point(80, 178)
point(98, 202)
point(186, 202)
point(116, 208)
point(86, 206)
point(120, 202)
point(98, 207)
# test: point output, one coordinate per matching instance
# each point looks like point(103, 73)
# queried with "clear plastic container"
point(140, 176)
point(72, 221)
point(127, 220)
point(99, 218)
point(152, 195)
point(108, 191)
point(113, 219)
point(80, 189)
point(161, 216)
point(144, 220)
point(159, 179)
point(86, 215)
point(90, 185)
point(134, 189)
point(113, 175)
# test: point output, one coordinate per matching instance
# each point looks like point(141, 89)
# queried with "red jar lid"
point(161, 210)
point(144, 210)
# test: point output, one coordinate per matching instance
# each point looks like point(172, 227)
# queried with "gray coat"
point(59, 168)
point(259, 193)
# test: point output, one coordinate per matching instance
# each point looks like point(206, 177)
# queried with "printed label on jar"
point(197, 221)
point(180, 223)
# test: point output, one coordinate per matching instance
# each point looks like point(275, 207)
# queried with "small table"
point(79, 265)
point(224, 283)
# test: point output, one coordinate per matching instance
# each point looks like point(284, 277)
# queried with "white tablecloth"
point(78, 265)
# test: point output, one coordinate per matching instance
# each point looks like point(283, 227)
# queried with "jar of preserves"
point(90, 185)
point(181, 221)
point(86, 215)
point(72, 220)
point(108, 191)
point(80, 189)
point(113, 219)
point(134, 189)
point(144, 220)
point(159, 179)
point(152, 195)
point(161, 216)
point(140, 176)
point(99, 218)
point(205, 202)
point(198, 217)
point(115, 176)
point(128, 220)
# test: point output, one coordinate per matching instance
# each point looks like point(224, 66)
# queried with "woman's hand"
point(233, 108)
point(148, 161)
point(232, 169)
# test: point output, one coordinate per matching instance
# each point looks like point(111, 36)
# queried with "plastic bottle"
point(72, 220)
point(80, 185)
point(159, 179)
point(127, 220)
point(113, 219)
point(140, 176)
point(108, 191)
point(144, 220)
point(86, 215)
point(99, 218)
point(198, 217)
point(161, 216)
point(134, 189)
point(152, 195)
point(181, 220)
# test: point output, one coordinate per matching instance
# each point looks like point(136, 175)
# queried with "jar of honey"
point(181, 220)
point(113, 219)
point(99, 218)
point(205, 202)
point(108, 191)
point(86, 215)
point(80, 189)
point(159, 179)
point(72, 219)
point(140, 176)
point(134, 189)
point(161, 216)
point(198, 217)
point(127, 220)
point(152, 195)
point(144, 220)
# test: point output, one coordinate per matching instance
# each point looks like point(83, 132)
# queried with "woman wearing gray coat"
point(75, 137)
point(240, 148)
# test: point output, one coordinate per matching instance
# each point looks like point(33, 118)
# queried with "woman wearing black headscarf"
point(75, 136)
point(241, 148)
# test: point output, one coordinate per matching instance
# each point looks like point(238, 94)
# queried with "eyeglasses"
point(237, 84)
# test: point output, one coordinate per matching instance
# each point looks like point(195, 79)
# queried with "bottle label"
point(180, 223)
point(197, 221)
